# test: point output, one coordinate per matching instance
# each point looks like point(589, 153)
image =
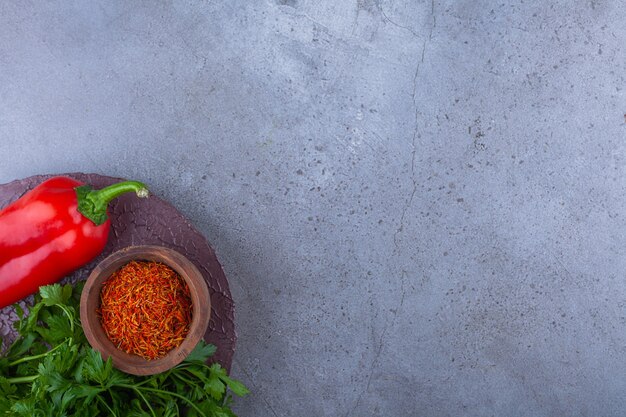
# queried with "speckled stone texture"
point(419, 205)
point(150, 221)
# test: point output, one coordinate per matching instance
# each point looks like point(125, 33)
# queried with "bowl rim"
point(90, 300)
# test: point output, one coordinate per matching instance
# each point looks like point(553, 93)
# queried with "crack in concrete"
point(413, 153)
point(382, 11)
point(379, 350)
point(432, 12)
point(413, 179)
point(409, 201)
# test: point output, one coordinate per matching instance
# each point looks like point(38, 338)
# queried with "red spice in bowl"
point(90, 301)
point(145, 309)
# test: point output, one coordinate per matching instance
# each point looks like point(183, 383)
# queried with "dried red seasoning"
point(145, 309)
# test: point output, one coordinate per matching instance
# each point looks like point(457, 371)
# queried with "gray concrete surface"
point(420, 205)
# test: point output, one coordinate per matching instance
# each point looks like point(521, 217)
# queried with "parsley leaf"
point(55, 294)
point(201, 353)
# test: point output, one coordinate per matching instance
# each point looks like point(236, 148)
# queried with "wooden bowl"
point(90, 301)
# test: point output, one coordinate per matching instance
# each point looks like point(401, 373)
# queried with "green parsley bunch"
point(51, 370)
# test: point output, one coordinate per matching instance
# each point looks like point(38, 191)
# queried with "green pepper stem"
point(93, 203)
point(105, 195)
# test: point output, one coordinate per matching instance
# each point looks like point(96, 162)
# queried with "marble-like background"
point(420, 205)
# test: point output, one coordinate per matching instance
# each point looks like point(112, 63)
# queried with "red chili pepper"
point(52, 230)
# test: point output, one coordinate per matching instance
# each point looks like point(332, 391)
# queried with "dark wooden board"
point(150, 221)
